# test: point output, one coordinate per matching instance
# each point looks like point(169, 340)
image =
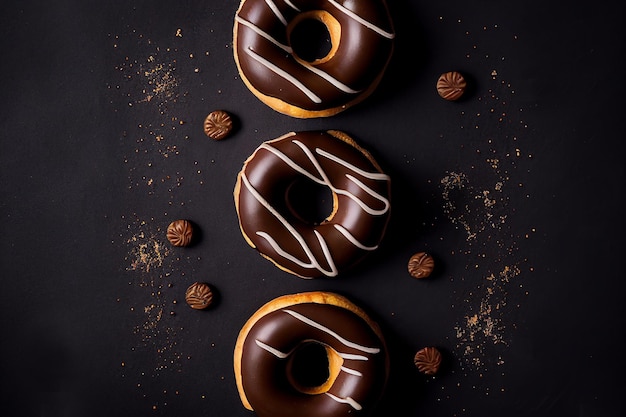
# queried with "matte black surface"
point(516, 190)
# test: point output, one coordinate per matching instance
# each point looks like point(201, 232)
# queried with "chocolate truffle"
point(199, 295)
point(451, 85)
point(180, 233)
point(218, 125)
point(421, 265)
point(428, 360)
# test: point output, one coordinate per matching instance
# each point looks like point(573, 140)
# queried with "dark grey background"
point(102, 146)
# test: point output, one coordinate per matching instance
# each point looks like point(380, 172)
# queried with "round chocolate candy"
point(421, 265)
point(428, 360)
point(218, 125)
point(199, 295)
point(180, 233)
point(451, 85)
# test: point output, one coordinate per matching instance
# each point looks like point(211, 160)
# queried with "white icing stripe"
point(335, 82)
point(288, 256)
point(277, 12)
point(282, 355)
point(352, 239)
point(352, 356)
point(347, 400)
point(348, 194)
point(325, 329)
point(293, 6)
point(366, 174)
point(312, 261)
point(326, 252)
point(326, 182)
point(362, 21)
point(373, 194)
point(263, 34)
point(272, 350)
point(310, 94)
point(292, 164)
point(351, 371)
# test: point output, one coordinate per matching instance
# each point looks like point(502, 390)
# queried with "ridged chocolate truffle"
point(428, 360)
point(218, 125)
point(421, 265)
point(451, 85)
point(199, 295)
point(180, 233)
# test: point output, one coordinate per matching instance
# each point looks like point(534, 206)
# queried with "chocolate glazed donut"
point(361, 35)
point(309, 355)
point(361, 202)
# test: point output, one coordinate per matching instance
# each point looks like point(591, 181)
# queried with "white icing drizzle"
point(335, 82)
point(330, 332)
point(273, 351)
point(277, 12)
point(326, 181)
point(293, 80)
point(263, 34)
point(347, 400)
point(352, 239)
point(371, 192)
point(312, 261)
point(366, 23)
point(366, 174)
point(351, 371)
point(327, 255)
point(352, 356)
point(291, 163)
point(284, 355)
point(293, 6)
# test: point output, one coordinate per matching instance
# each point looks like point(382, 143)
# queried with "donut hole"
point(313, 367)
point(314, 36)
point(308, 201)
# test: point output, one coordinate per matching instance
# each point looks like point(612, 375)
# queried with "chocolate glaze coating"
point(362, 54)
point(361, 209)
point(264, 374)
